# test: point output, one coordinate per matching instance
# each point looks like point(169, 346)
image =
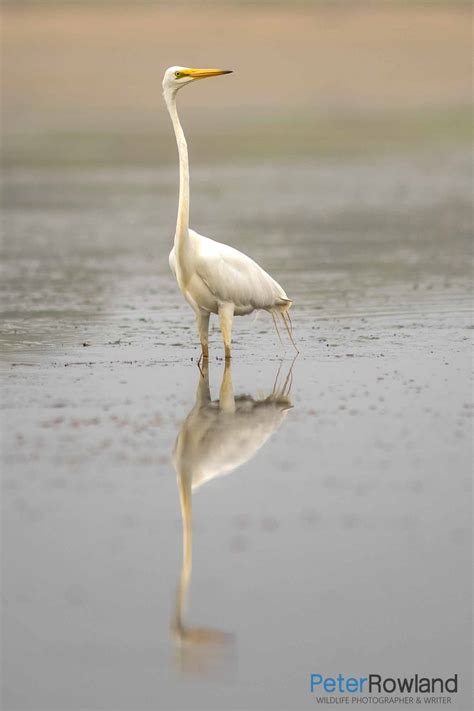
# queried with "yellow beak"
point(204, 73)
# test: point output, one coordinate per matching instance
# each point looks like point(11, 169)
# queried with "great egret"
point(213, 277)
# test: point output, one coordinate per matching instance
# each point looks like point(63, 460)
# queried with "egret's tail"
point(281, 309)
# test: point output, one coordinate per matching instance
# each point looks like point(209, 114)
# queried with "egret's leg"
point(202, 318)
point(226, 315)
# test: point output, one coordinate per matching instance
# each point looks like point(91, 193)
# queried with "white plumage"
point(223, 274)
point(213, 277)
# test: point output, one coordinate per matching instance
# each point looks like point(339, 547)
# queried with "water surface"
point(329, 497)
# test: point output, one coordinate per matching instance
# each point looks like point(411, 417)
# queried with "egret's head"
point(177, 77)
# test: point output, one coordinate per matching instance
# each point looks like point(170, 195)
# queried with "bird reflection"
point(216, 438)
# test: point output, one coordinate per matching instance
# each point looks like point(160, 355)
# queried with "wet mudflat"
point(330, 523)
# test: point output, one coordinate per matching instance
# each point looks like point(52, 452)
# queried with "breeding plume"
point(213, 277)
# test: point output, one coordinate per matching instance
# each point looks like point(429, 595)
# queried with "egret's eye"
point(177, 74)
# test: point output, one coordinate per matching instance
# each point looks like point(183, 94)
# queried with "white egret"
point(213, 277)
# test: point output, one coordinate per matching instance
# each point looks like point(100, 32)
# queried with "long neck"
point(182, 222)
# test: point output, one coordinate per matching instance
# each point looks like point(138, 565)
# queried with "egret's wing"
point(233, 277)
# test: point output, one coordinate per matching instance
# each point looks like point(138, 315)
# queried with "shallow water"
point(337, 540)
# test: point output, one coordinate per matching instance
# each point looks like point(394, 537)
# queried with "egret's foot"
point(204, 350)
point(203, 365)
point(203, 357)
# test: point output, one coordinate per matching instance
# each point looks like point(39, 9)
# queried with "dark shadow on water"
point(216, 438)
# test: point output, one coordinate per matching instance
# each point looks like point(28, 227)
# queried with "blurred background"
point(82, 80)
